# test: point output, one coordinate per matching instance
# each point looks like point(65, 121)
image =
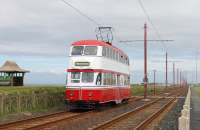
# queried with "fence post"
point(1, 104)
point(33, 99)
point(46, 99)
point(18, 102)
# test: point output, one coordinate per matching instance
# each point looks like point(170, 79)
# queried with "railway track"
point(141, 117)
point(41, 121)
point(89, 119)
point(138, 118)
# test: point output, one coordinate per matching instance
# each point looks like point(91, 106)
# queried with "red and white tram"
point(98, 73)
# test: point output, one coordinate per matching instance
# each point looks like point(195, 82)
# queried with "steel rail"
point(134, 111)
point(103, 125)
point(13, 123)
point(45, 125)
point(45, 117)
point(146, 122)
point(70, 118)
point(35, 126)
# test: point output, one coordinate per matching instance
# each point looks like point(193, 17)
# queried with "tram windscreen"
point(77, 50)
point(75, 77)
point(90, 50)
point(87, 77)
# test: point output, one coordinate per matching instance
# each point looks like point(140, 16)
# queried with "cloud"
point(46, 28)
point(49, 26)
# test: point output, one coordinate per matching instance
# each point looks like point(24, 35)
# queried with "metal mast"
point(145, 61)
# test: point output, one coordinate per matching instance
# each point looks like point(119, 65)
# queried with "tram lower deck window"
point(87, 77)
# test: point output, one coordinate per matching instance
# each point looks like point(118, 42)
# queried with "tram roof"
point(95, 43)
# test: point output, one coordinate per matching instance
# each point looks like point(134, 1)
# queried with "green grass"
point(30, 89)
point(197, 89)
point(5, 78)
point(138, 90)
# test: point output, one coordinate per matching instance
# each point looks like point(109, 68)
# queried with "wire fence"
point(30, 102)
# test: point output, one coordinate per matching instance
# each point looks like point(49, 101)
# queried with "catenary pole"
point(166, 70)
point(177, 74)
point(174, 73)
point(145, 61)
point(154, 82)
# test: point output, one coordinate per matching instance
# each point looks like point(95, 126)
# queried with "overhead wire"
point(151, 22)
point(80, 12)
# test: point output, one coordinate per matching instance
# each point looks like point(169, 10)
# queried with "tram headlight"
point(90, 94)
point(71, 93)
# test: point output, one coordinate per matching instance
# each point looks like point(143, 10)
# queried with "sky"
point(37, 34)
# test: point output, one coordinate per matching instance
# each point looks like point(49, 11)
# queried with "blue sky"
point(37, 34)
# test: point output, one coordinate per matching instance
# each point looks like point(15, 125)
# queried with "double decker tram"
point(98, 73)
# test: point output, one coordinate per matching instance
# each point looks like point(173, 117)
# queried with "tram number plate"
point(82, 63)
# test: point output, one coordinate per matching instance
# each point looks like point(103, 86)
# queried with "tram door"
point(118, 95)
point(80, 93)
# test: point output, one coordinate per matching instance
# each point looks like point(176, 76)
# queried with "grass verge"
point(138, 90)
point(31, 89)
point(197, 89)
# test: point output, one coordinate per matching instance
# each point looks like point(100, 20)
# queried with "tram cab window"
point(77, 50)
point(87, 77)
point(75, 77)
point(98, 81)
point(90, 50)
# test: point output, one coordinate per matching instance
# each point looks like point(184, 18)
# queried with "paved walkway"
point(195, 111)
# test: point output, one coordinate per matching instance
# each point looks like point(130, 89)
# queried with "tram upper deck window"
point(90, 50)
point(77, 50)
point(75, 77)
point(104, 52)
point(87, 77)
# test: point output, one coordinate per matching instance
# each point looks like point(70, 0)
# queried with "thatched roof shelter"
point(11, 74)
point(11, 66)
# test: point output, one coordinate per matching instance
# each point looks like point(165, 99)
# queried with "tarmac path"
point(195, 111)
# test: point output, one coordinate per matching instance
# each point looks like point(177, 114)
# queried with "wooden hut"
point(11, 74)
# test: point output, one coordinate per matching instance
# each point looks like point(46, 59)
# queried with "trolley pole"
point(145, 61)
point(154, 82)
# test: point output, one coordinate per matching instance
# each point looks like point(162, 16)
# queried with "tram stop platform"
point(195, 110)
